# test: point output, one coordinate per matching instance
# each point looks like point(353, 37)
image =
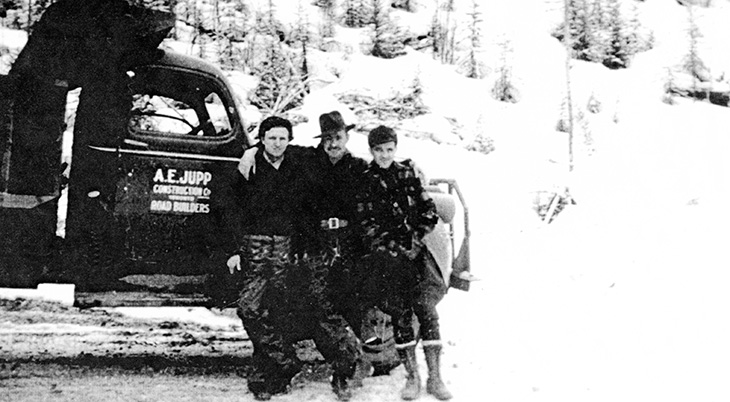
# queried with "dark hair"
point(273, 122)
point(381, 135)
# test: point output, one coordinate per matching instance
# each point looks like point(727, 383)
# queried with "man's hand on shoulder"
point(248, 162)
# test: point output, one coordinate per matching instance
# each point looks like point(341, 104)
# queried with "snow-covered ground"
point(624, 296)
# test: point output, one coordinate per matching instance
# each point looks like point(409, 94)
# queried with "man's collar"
point(393, 165)
point(276, 164)
point(344, 157)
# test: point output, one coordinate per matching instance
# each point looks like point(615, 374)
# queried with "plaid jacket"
point(394, 212)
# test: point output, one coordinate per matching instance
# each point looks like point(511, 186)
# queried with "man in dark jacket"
point(394, 213)
point(336, 175)
point(274, 201)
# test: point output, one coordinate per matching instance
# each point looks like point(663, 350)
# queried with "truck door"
point(174, 163)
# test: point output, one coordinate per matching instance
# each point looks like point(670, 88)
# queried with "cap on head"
point(381, 135)
point(332, 122)
point(272, 122)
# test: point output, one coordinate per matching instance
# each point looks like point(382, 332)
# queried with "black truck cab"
point(144, 209)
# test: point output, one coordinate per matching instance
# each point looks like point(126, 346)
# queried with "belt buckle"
point(333, 223)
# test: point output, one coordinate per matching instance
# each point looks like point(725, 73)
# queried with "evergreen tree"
point(480, 142)
point(329, 14)
point(579, 29)
point(411, 101)
point(386, 39)
point(406, 5)
point(503, 90)
point(173, 9)
point(442, 31)
point(623, 34)
point(301, 34)
point(6, 5)
point(600, 26)
point(197, 23)
point(669, 88)
point(281, 86)
point(233, 26)
point(693, 64)
point(357, 13)
point(217, 31)
point(270, 20)
point(472, 65)
point(602, 31)
point(23, 13)
point(616, 55)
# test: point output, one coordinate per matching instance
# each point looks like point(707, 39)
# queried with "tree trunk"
point(569, 101)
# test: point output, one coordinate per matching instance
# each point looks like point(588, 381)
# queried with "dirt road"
point(50, 352)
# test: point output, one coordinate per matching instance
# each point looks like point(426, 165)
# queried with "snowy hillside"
point(623, 297)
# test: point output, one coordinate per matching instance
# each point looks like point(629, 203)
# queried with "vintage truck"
point(156, 140)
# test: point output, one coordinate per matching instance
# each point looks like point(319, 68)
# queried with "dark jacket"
point(394, 212)
point(336, 185)
point(330, 193)
point(271, 201)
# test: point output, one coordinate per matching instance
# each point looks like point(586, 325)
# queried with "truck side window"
point(169, 102)
point(161, 115)
point(218, 115)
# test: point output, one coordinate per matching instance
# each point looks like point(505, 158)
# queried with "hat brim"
point(327, 133)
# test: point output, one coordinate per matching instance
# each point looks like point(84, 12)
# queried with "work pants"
point(265, 261)
point(395, 285)
point(284, 301)
point(314, 315)
point(341, 284)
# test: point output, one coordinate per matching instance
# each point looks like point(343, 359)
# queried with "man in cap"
point(394, 213)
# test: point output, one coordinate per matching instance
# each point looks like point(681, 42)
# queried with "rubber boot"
point(434, 385)
point(341, 387)
point(412, 389)
point(363, 369)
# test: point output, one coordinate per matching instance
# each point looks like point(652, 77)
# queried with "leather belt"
point(333, 223)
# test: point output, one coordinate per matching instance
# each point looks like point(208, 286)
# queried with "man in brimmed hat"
point(334, 135)
point(337, 174)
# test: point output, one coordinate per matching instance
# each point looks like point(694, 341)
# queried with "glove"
point(234, 263)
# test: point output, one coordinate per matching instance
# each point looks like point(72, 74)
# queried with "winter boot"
point(262, 396)
point(434, 385)
point(412, 389)
point(259, 390)
point(341, 388)
point(363, 369)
